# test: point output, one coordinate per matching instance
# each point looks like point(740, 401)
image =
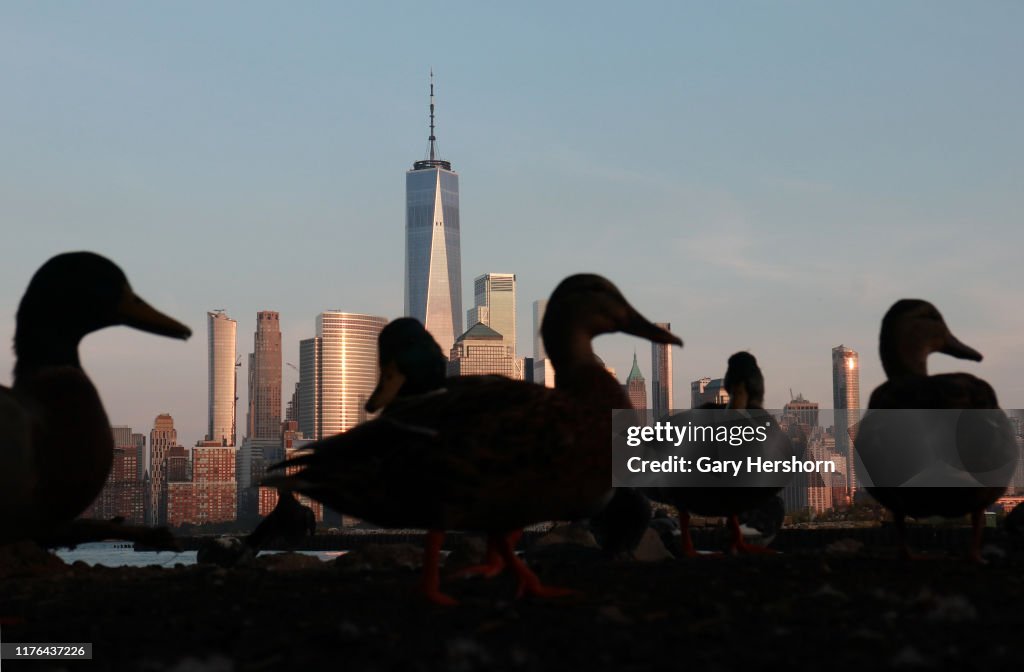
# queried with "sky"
point(766, 176)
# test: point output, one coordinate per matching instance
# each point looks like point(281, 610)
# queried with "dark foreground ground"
point(803, 609)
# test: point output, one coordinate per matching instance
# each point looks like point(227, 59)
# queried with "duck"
point(745, 384)
point(56, 445)
point(490, 454)
point(908, 449)
point(412, 363)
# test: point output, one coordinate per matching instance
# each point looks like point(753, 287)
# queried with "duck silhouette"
point(972, 452)
point(491, 454)
point(56, 446)
point(745, 384)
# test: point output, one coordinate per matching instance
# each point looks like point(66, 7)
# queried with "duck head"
point(584, 306)
point(912, 330)
point(72, 295)
point(411, 362)
point(744, 381)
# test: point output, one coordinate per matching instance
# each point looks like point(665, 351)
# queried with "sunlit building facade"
point(482, 351)
point(846, 402)
point(661, 376)
point(162, 438)
point(337, 372)
point(539, 306)
point(494, 299)
point(708, 391)
point(223, 383)
point(264, 417)
point(636, 390)
point(433, 261)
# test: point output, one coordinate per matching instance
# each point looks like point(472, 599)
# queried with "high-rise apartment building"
point(337, 372)
point(433, 261)
point(162, 438)
point(661, 376)
point(264, 417)
point(223, 381)
point(846, 402)
point(122, 494)
point(636, 390)
point(211, 494)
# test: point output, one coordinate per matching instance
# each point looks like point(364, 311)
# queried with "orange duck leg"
point(739, 546)
point(493, 563)
point(529, 583)
point(430, 583)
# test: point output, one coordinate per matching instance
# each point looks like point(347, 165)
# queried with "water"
point(119, 554)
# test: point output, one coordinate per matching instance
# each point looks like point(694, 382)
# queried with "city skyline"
point(779, 205)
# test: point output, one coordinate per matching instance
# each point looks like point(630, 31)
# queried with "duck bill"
point(132, 311)
point(638, 325)
point(955, 348)
point(388, 387)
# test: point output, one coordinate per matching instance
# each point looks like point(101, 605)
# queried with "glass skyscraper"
point(337, 372)
point(661, 376)
point(433, 261)
point(846, 402)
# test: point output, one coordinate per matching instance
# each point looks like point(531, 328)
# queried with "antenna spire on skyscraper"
point(433, 138)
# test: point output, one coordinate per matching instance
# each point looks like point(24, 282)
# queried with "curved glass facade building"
point(433, 259)
point(337, 372)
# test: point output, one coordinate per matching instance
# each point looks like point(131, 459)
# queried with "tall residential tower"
point(846, 402)
point(264, 419)
point(433, 261)
point(223, 383)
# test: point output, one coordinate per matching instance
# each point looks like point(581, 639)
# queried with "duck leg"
point(493, 563)
point(977, 534)
point(430, 583)
point(684, 535)
point(737, 545)
point(529, 583)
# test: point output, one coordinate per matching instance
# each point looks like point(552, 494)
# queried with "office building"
point(494, 304)
point(337, 372)
point(708, 391)
point(433, 262)
point(661, 376)
point(636, 390)
point(483, 351)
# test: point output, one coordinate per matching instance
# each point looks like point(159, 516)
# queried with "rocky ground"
point(841, 606)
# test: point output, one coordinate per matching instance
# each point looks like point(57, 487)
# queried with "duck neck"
point(571, 356)
point(36, 349)
point(899, 360)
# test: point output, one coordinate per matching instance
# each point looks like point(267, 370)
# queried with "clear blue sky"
point(764, 175)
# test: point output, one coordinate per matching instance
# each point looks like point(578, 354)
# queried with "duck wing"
point(483, 453)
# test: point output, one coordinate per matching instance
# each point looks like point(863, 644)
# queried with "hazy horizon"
point(766, 177)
